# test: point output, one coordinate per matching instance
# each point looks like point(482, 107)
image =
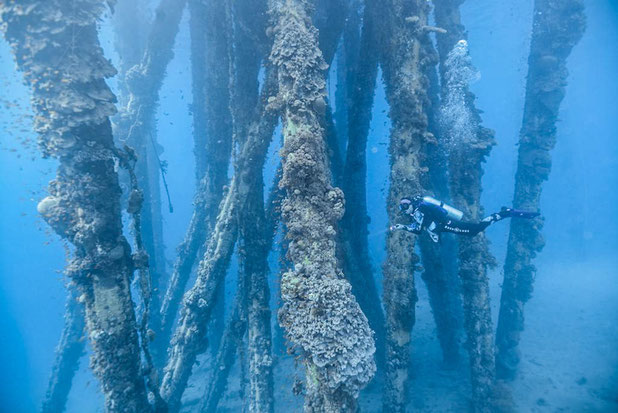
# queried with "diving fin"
point(517, 213)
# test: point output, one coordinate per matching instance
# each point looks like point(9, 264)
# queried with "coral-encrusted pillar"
point(406, 52)
point(558, 26)
point(56, 46)
point(319, 312)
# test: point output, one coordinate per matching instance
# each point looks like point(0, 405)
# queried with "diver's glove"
point(411, 228)
point(433, 235)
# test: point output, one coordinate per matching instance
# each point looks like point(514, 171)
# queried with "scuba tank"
point(452, 213)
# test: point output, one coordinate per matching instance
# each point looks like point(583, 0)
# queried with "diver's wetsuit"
point(434, 220)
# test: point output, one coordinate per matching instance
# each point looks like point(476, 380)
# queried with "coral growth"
point(56, 46)
point(319, 312)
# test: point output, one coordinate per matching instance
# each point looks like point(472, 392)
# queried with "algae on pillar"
point(253, 245)
point(137, 127)
point(231, 341)
point(558, 26)
point(254, 248)
point(212, 131)
point(70, 349)
point(198, 301)
point(73, 105)
point(440, 260)
point(406, 52)
point(261, 385)
point(469, 144)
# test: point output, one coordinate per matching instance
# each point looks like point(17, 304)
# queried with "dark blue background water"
point(571, 320)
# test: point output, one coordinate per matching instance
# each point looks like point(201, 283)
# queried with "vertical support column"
point(557, 28)
point(319, 312)
point(73, 104)
point(406, 54)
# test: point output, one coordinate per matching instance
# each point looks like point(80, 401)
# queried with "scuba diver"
point(435, 217)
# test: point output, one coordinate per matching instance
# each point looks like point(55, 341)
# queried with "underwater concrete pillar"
point(73, 105)
point(70, 349)
point(362, 53)
point(210, 30)
point(405, 56)
point(231, 341)
point(253, 244)
point(469, 144)
point(440, 260)
point(338, 21)
point(136, 127)
point(253, 251)
point(319, 313)
point(198, 302)
point(557, 28)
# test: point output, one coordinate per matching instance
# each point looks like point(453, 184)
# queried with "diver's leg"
point(465, 228)
point(473, 228)
point(516, 213)
point(509, 213)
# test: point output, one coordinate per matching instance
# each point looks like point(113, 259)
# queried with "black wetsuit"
point(434, 220)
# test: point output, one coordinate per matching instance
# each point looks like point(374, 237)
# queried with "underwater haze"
point(200, 206)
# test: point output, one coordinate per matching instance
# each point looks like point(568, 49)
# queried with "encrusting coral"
point(56, 47)
point(319, 313)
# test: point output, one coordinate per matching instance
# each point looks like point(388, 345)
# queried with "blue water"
point(571, 317)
